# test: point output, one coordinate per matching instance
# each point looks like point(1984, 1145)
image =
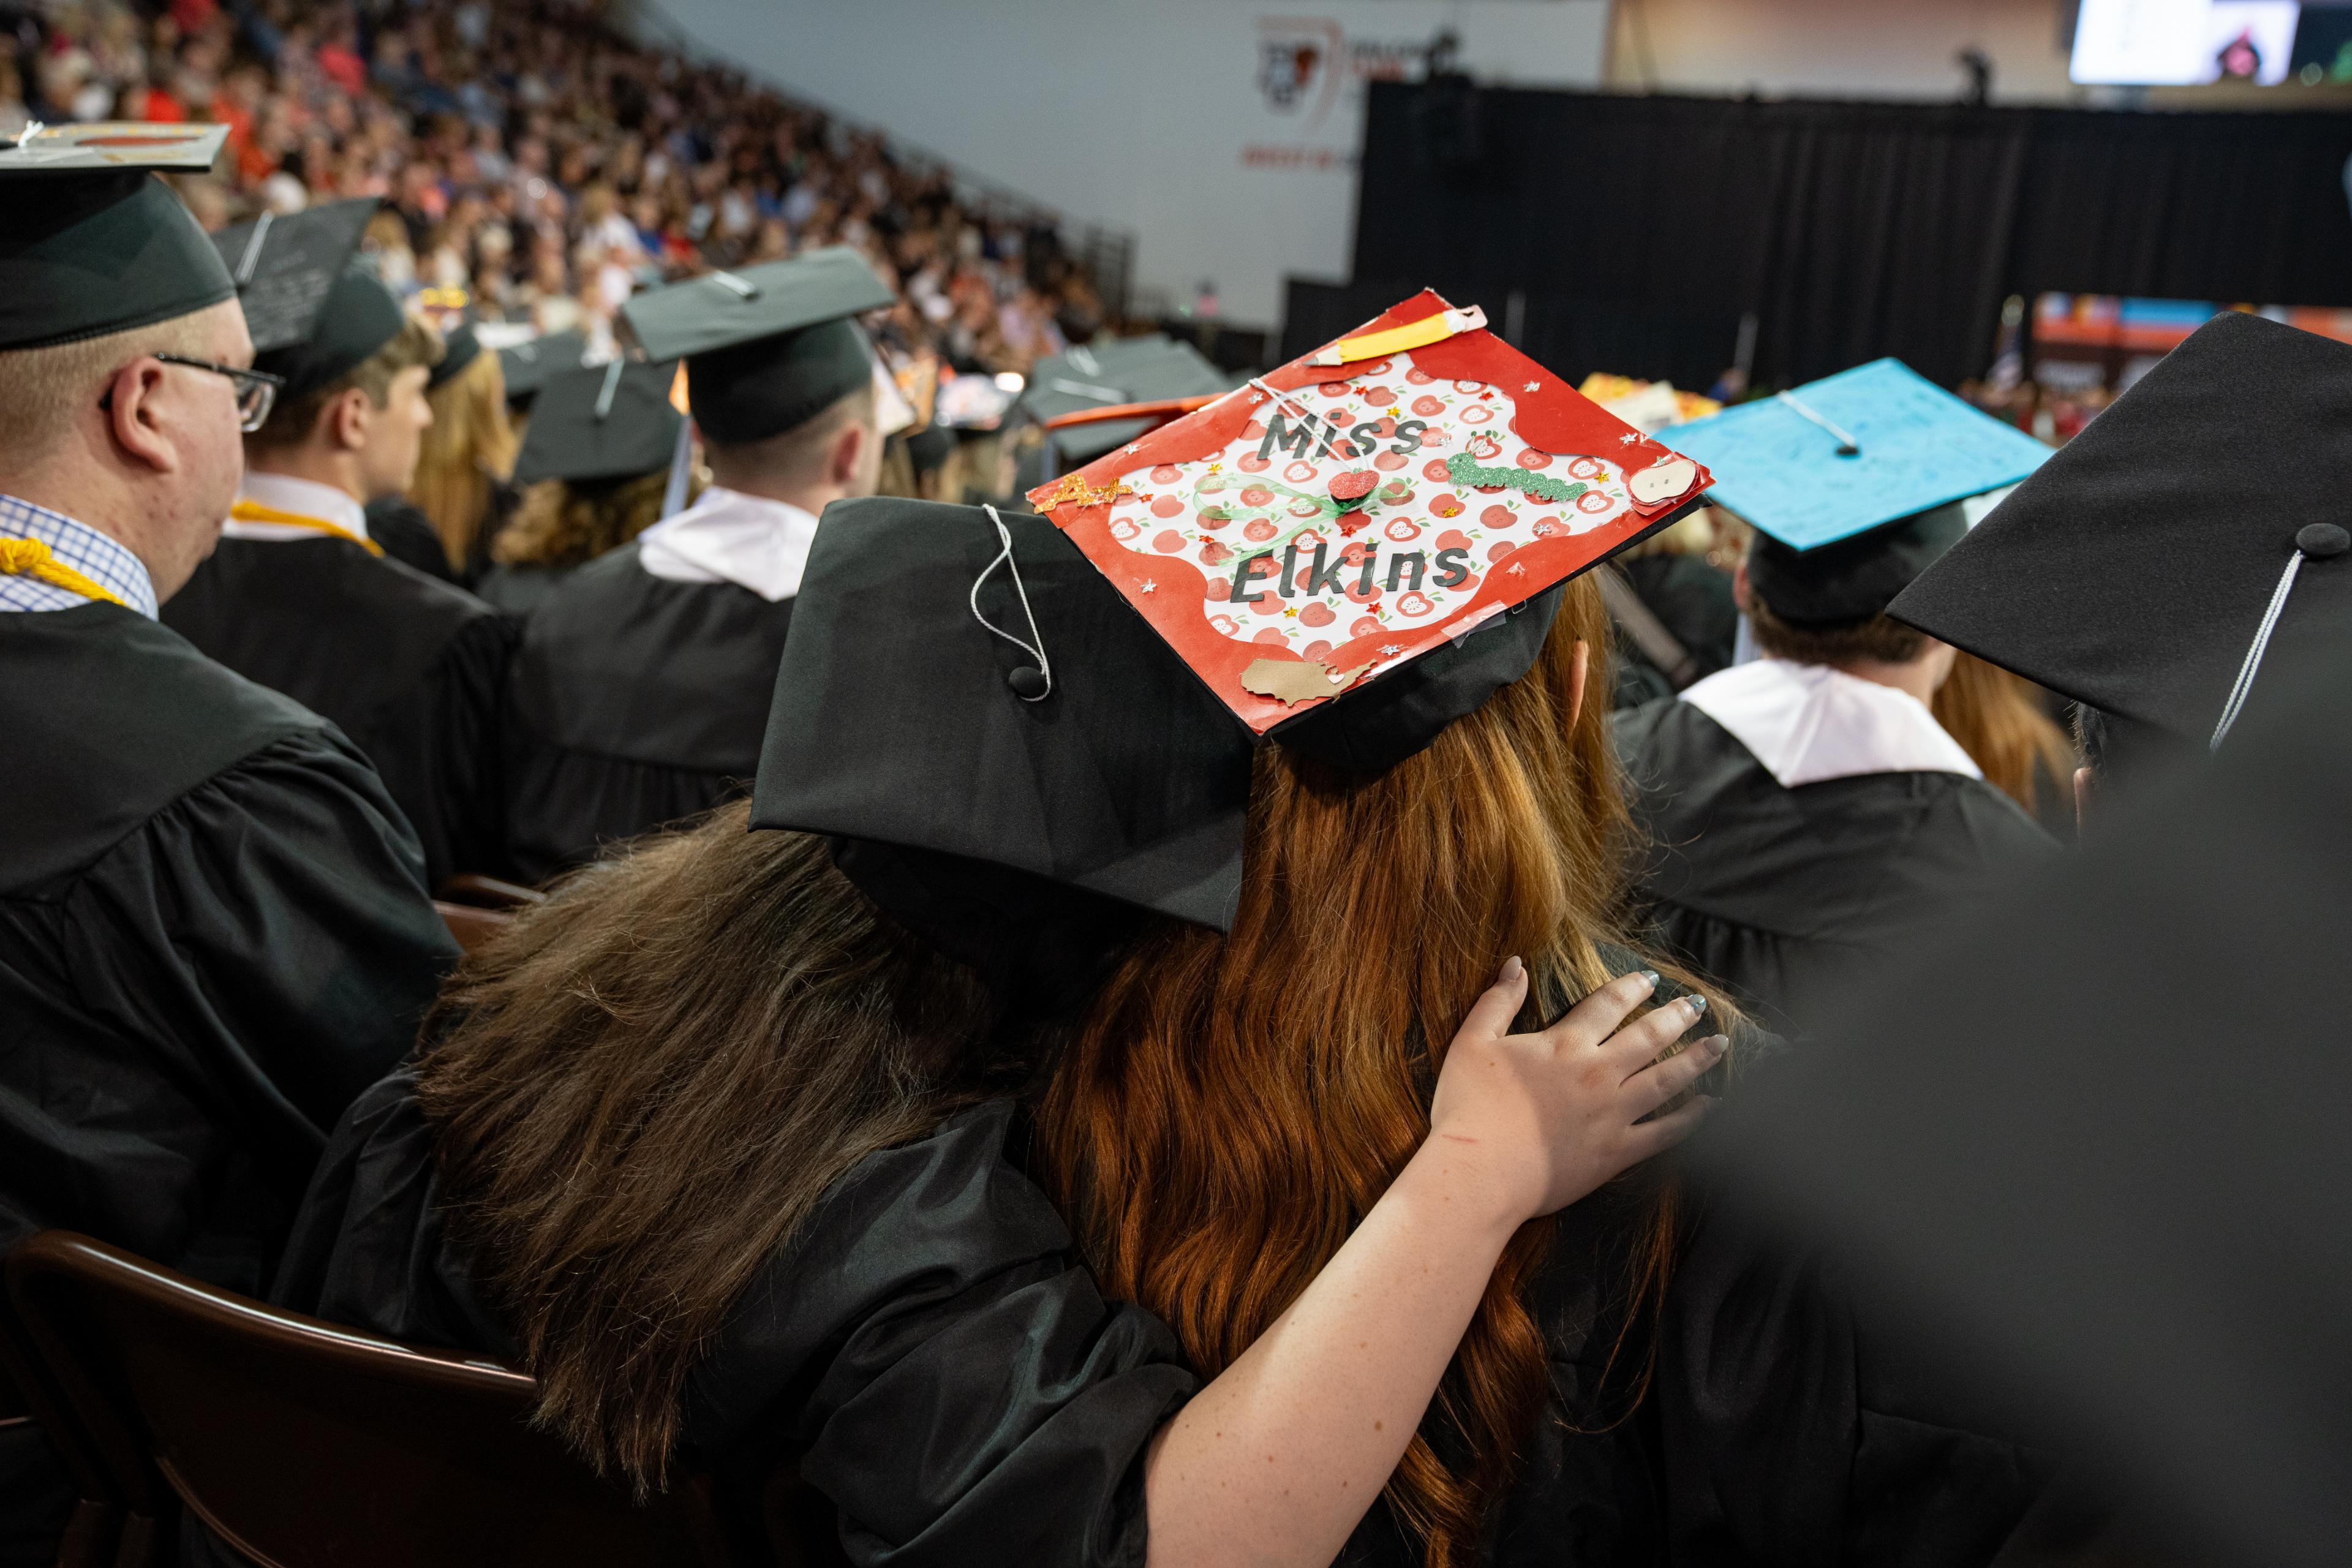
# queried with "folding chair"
point(303, 1445)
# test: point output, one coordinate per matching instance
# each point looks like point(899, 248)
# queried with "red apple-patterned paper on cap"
point(1330, 521)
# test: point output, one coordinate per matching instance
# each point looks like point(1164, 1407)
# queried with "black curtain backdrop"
point(1636, 232)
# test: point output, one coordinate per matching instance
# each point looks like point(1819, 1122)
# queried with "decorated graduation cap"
point(1360, 547)
point(315, 315)
point(2111, 1137)
point(1085, 380)
point(1854, 484)
point(93, 243)
point(768, 348)
point(528, 365)
point(2195, 526)
point(459, 349)
point(611, 421)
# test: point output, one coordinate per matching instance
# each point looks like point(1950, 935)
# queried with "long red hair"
point(1233, 1106)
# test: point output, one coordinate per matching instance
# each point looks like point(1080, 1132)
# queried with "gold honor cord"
point(254, 511)
point(31, 558)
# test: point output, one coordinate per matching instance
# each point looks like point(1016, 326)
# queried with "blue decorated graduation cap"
point(1854, 484)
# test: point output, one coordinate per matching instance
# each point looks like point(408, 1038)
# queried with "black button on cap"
point(1029, 682)
point(2321, 540)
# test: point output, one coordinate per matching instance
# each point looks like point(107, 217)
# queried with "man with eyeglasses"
point(214, 926)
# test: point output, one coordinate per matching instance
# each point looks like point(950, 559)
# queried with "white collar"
point(729, 537)
point(302, 498)
point(1807, 722)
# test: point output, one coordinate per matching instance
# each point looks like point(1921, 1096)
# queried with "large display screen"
point(2154, 43)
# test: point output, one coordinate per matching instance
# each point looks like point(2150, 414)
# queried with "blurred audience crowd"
point(540, 165)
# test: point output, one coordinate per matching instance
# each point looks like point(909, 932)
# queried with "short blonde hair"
point(43, 391)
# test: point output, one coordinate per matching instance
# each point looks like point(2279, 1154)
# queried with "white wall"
point(1164, 120)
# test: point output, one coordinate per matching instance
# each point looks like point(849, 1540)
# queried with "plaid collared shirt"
point(74, 544)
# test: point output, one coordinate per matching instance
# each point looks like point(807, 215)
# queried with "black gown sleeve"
point(467, 769)
point(951, 1377)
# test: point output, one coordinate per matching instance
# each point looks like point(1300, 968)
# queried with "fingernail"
point(1698, 1004)
point(1512, 969)
point(1652, 976)
point(1715, 1045)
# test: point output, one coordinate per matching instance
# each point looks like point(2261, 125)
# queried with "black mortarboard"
point(93, 243)
point(602, 422)
point(459, 349)
point(1854, 578)
point(1131, 370)
point(767, 348)
point(1014, 832)
point(2134, 571)
point(2109, 1159)
point(527, 365)
point(285, 267)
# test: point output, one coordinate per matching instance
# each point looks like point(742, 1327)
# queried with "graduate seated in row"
point(594, 471)
point(443, 522)
point(1060, 1050)
point(1803, 816)
point(300, 599)
point(214, 923)
point(642, 686)
point(2161, 560)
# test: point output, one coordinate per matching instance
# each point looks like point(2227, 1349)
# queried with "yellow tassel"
point(31, 558)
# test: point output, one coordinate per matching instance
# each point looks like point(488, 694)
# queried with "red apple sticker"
point(1390, 462)
point(1413, 604)
point(1271, 634)
point(1476, 413)
point(1454, 538)
point(1212, 518)
point(1380, 396)
point(1419, 377)
point(1126, 530)
point(1470, 388)
point(1211, 484)
point(1483, 446)
point(1298, 473)
point(1166, 506)
point(1373, 367)
point(1257, 531)
point(1499, 549)
point(1435, 470)
point(1427, 407)
point(1317, 613)
point(1315, 649)
point(1401, 531)
point(1584, 469)
point(1396, 492)
point(1333, 389)
point(1305, 506)
point(1529, 458)
point(1220, 589)
point(1257, 495)
point(1446, 505)
point(1594, 500)
point(1213, 553)
point(1252, 464)
point(1467, 586)
point(1253, 430)
point(1166, 474)
point(1497, 517)
point(1369, 626)
point(1545, 527)
point(1349, 488)
point(1223, 626)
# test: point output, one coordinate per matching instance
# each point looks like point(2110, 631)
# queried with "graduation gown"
point(638, 702)
point(409, 536)
point(1784, 893)
point(1694, 601)
point(517, 591)
point(410, 669)
point(926, 1351)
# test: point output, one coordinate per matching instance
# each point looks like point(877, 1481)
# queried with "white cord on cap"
point(1847, 445)
point(2254, 654)
point(1035, 650)
point(604, 395)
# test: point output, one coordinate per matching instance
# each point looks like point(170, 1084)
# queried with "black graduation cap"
point(527, 365)
point(1016, 811)
point(1130, 370)
point(459, 348)
point(767, 348)
point(2147, 567)
point(602, 422)
point(2109, 1162)
point(93, 243)
point(287, 266)
point(1854, 578)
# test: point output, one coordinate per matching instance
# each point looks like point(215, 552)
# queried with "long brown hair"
point(1999, 721)
point(561, 524)
point(468, 450)
point(641, 1091)
point(1233, 1107)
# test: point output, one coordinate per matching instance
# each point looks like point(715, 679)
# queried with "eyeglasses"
point(256, 390)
